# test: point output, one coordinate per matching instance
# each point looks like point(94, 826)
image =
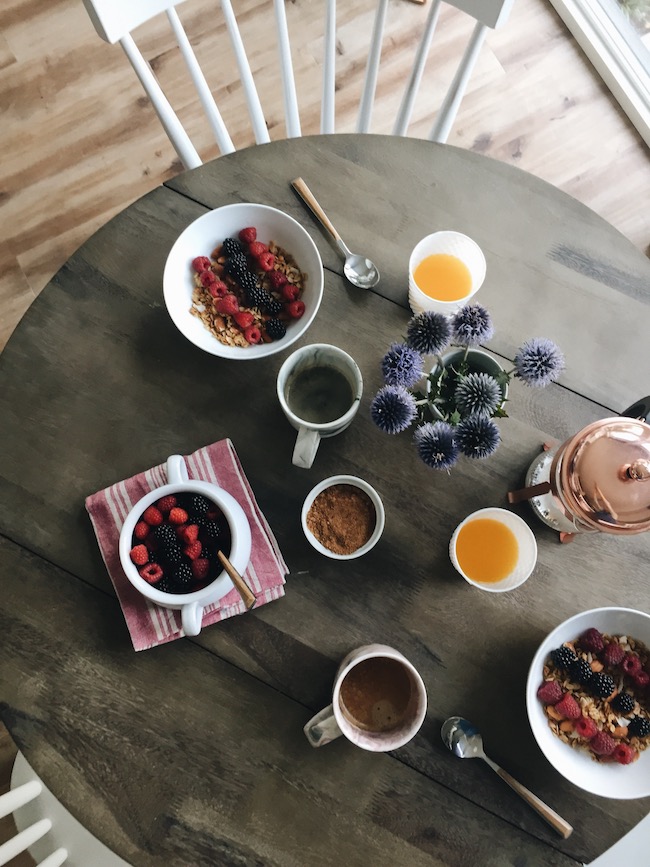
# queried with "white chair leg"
point(55, 859)
point(23, 840)
point(410, 92)
point(327, 119)
point(372, 68)
point(15, 798)
point(291, 113)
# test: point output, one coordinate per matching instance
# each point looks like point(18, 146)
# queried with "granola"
point(606, 679)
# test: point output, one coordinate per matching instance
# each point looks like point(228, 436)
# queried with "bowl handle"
point(176, 470)
point(192, 618)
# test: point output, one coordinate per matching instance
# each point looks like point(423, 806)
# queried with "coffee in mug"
point(319, 394)
point(379, 701)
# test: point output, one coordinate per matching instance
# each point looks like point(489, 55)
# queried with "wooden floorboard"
point(80, 141)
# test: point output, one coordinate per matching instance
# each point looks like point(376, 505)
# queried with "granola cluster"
point(596, 695)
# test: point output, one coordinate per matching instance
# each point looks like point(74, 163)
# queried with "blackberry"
point(171, 555)
point(231, 246)
point(580, 671)
point(601, 684)
point(248, 282)
point(276, 329)
point(182, 578)
point(164, 585)
point(165, 534)
point(236, 266)
point(211, 530)
point(638, 727)
point(258, 297)
point(198, 505)
point(273, 306)
point(563, 657)
point(623, 703)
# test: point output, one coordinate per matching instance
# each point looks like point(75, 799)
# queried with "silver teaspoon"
point(359, 271)
point(465, 741)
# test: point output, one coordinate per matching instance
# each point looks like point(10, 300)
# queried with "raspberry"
point(166, 504)
point(151, 573)
point(152, 516)
point(178, 516)
point(193, 550)
point(201, 263)
point(188, 533)
point(257, 248)
point(550, 692)
point(139, 555)
point(602, 744)
point(248, 235)
point(227, 305)
point(295, 309)
point(641, 679)
point(631, 664)
point(568, 707)
point(613, 654)
point(207, 278)
point(218, 289)
point(266, 261)
point(253, 334)
point(200, 568)
point(289, 292)
point(277, 279)
point(141, 530)
point(624, 754)
point(244, 318)
point(586, 727)
point(592, 640)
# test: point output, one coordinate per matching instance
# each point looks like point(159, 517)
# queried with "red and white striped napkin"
point(150, 624)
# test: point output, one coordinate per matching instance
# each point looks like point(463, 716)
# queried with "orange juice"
point(443, 277)
point(486, 550)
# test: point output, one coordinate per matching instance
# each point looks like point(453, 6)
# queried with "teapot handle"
point(640, 409)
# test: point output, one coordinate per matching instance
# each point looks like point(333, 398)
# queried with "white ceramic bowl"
point(609, 780)
point(203, 235)
point(527, 549)
point(190, 605)
point(379, 512)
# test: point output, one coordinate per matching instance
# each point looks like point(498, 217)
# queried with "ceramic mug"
point(190, 605)
point(319, 389)
point(379, 701)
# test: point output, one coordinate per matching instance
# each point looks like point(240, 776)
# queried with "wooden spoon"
point(242, 587)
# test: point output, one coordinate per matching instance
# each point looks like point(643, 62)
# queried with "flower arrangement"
point(455, 414)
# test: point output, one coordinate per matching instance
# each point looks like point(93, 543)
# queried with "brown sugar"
point(342, 518)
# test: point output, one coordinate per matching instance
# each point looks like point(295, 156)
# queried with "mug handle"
point(192, 618)
point(306, 447)
point(322, 728)
point(176, 470)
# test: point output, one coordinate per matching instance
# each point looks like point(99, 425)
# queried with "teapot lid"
point(604, 475)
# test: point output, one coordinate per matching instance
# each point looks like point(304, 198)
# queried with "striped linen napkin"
point(150, 624)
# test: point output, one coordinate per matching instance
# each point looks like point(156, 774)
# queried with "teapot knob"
point(639, 470)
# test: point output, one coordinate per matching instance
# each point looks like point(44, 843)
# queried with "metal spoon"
point(465, 741)
point(360, 271)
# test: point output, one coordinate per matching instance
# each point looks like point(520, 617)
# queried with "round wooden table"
point(193, 752)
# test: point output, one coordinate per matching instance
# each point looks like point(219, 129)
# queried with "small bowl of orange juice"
point(494, 549)
point(445, 270)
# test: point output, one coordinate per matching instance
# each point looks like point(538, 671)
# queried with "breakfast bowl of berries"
point(170, 542)
point(243, 281)
point(588, 701)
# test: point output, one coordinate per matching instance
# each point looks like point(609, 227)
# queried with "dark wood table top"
point(193, 752)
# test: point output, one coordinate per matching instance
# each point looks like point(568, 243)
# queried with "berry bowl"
point(607, 777)
point(234, 538)
point(236, 309)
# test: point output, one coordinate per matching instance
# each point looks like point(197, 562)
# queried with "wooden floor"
point(79, 140)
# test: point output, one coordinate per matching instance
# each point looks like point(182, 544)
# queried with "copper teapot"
point(598, 480)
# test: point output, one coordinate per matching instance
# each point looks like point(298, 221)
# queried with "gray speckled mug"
point(319, 389)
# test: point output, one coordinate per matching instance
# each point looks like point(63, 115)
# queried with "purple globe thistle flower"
point(393, 409)
point(436, 445)
point(401, 365)
point(477, 436)
point(472, 325)
point(478, 394)
point(428, 332)
point(539, 362)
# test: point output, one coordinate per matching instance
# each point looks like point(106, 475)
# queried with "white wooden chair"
point(115, 20)
point(50, 834)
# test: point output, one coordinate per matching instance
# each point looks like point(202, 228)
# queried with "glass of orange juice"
point(494, 549)
point(445, 270)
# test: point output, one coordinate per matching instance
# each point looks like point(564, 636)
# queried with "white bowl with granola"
point(588, 701)
point(251, 297)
